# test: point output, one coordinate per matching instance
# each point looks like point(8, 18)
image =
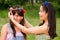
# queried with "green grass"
point(32, 17)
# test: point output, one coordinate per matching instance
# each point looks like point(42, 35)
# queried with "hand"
point(11, 9)
point(10, 15)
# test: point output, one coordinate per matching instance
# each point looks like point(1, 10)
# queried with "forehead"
point(16, 13)
point(41, 7)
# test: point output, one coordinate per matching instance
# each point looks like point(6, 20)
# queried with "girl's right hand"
point(10, 15)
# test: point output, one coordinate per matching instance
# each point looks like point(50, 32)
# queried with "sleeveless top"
point(43, 37)
point(19, 35)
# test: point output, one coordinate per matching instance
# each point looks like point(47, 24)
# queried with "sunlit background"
point(32, 7)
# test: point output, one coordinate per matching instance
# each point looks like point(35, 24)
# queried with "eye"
point(16, 15)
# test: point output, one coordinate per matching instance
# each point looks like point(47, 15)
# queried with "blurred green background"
point(32, 7)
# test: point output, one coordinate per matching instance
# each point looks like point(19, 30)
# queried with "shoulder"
point(4, 27)
point(43, 27)
point(4, 30)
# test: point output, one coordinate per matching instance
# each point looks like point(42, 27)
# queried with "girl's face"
point(17, 17)
point(43, 15)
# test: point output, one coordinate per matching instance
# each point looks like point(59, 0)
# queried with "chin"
point(18, 21)
point(41, 19)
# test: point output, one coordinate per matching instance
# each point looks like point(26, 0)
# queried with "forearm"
point(32, 30)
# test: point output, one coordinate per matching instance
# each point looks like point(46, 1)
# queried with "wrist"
point(11, 19)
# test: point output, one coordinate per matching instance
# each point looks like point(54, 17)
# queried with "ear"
point(47, 14)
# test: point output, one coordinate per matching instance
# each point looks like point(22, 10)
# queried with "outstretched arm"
point(32, 30)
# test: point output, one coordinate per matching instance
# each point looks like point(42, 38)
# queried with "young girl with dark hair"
point(9, 30)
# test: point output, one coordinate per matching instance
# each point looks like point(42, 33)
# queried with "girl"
point(9, 30)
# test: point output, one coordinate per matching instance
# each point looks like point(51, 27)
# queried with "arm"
point(27, 24)
point(32, 30)
point(3, 33)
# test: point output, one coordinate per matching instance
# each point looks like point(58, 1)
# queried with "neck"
point(46, 21)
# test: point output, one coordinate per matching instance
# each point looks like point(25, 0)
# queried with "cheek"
point(19, 19)
point(42, 15)
point(15, 18)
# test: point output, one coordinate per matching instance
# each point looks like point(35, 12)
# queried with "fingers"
point(11, 9)
point(10, 14)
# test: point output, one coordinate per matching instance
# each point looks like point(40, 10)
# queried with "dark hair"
point(48, 7)
point(20, 12)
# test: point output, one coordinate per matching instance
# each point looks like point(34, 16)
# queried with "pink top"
point(10, 36)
